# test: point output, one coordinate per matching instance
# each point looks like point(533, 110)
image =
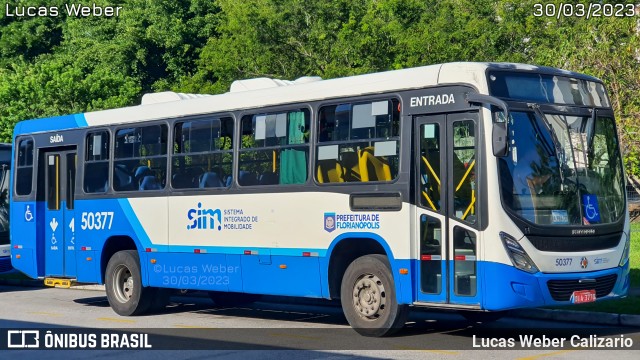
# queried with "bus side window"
point(465, 276)
point(274, 149)
point(430, 166)
point(464, 171)
point(358, 142)
point(202, 154)
point(96, 165)
point(140, 158)
point(24, 167)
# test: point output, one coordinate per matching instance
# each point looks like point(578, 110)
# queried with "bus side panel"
point(404, 283)
point(235, 262)
point(96, 221)
point(27, 248)
point(88, 265)
point(281, 275)
point(202, 271)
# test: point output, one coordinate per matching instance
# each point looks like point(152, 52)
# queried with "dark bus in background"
point(5, 248)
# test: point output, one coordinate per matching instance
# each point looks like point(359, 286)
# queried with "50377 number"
point(564, 261)
point(96, 220)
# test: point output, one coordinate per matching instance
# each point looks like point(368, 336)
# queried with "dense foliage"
point(66, 64)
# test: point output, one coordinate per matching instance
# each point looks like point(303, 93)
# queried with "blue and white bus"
point(478, 187)
point(5, 174)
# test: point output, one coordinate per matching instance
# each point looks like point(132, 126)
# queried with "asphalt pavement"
point(584, 317)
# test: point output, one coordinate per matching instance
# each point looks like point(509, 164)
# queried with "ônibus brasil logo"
point(204, 218)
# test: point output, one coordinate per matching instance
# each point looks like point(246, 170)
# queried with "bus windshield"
point(562, 169)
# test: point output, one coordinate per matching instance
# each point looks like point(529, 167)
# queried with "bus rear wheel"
point(368, 297)
point(123, 283)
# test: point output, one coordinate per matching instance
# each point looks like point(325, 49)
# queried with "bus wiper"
point(556, 143)
point(591, 132)
point(550, 129)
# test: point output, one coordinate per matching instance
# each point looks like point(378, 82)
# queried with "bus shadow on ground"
point(309, 312)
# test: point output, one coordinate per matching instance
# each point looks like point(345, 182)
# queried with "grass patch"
point(634, 255)
point(628, 305)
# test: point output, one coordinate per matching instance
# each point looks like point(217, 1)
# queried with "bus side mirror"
point(499, 139)
point(499, 130)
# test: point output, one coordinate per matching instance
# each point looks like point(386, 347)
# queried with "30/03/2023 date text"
point(590, 10)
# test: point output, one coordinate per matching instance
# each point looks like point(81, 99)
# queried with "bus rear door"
point(59, 229)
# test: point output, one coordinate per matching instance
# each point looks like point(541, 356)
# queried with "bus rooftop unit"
point(479, 187)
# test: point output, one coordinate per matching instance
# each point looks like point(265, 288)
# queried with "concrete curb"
point(584, 317)
point(88, 287)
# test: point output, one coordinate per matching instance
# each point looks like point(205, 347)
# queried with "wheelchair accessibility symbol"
point(28, 215)
point(590, 208)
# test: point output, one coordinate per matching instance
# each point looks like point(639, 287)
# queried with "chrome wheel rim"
point(122, 283)
point(369, 297)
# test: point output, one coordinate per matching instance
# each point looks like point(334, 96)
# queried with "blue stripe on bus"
point(506, 287)
point(140, 235)
point(81, 121)
point(51, 124)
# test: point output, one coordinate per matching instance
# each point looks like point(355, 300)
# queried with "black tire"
point(483, 317)
point(368, 297)
point(222, 298)
point(123, 283)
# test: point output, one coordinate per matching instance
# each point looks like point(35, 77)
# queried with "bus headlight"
point(518, 256)
point(625, 253)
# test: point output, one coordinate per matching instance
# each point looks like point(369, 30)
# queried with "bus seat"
point(229, 180)
point(150, 182)
point(269, 178)
point(181, 181)
point(95, 187)
point(103, 187)
point(96, 178)
point(373, 168)
point(330, 171)
point(210, 180)
point(195, 173)
point(142, 172)
point(246, 178)
point(349, 161)
point(121, 178)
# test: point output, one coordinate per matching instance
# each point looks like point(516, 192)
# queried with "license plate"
point(583, 296)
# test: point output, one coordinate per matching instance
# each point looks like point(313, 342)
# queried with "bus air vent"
point(561, 290)
point(575, 243)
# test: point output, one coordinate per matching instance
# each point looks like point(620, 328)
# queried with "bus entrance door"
point(446, 208)
point(430, 209)
point(59, 229)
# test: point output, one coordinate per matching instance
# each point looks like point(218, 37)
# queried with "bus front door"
point(59, 229)
point(446, 211)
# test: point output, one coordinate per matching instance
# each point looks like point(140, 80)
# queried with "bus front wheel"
point(368, 297)
point(123, 283)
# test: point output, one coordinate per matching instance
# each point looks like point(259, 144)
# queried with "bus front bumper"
point(506, 287)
